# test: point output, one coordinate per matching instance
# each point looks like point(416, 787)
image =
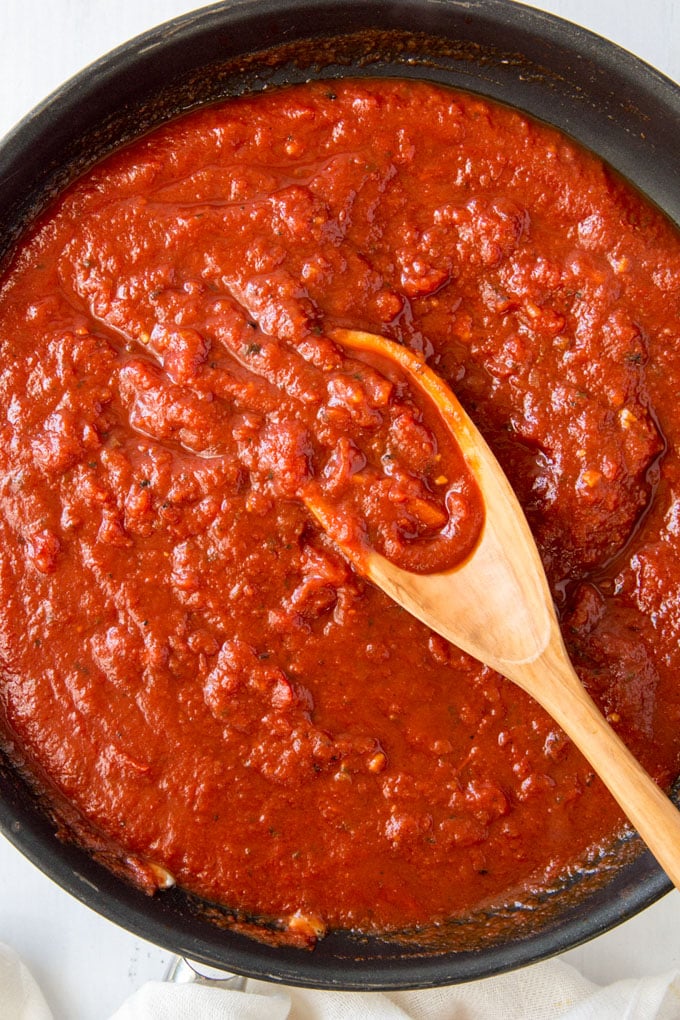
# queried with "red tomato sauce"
point(186, 658)
point(402, 484)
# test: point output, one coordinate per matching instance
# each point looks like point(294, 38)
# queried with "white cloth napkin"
point(546, 991)
point(20, 997)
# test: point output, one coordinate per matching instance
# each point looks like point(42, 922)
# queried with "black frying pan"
point(604, 97)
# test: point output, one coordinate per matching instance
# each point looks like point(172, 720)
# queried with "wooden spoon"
point(497, 607)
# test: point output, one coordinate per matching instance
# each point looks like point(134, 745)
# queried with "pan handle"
point(184, 972)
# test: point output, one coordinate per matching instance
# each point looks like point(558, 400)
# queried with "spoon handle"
point(552, 681)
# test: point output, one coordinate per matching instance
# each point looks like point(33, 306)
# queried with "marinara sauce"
point(187, 661)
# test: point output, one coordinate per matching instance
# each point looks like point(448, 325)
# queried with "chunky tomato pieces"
point(186, 659)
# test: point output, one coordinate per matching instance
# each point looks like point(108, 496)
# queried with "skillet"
point(595, 92)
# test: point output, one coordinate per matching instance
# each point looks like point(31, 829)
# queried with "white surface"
point(548, 991)
point(85, 965)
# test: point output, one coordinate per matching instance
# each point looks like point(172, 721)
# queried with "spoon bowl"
point(496, 605)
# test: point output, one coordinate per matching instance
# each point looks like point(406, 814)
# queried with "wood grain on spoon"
point(497, 607)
